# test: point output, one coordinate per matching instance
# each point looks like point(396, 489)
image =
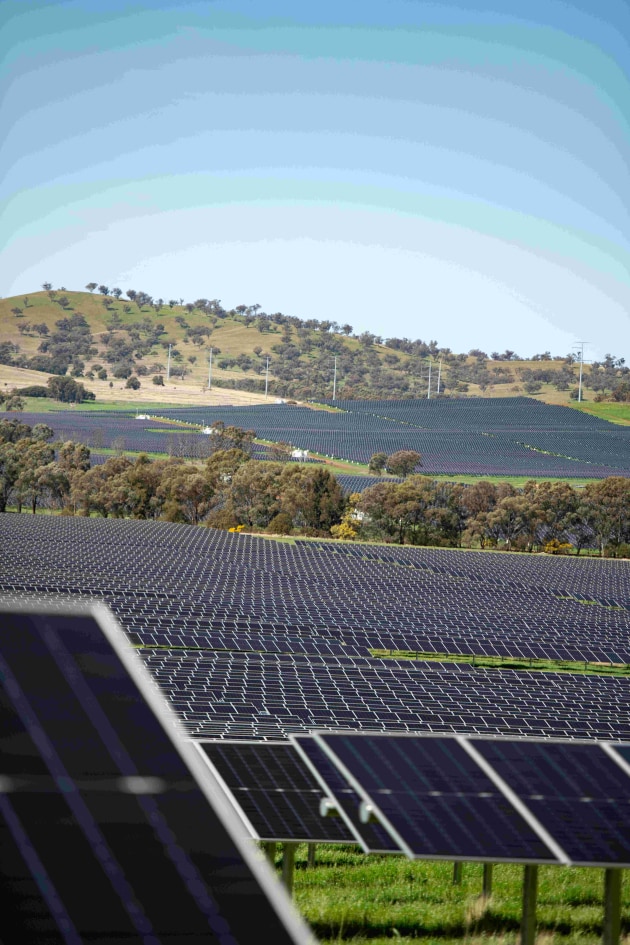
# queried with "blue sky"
point(457, 171)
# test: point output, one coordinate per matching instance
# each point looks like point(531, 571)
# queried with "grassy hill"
point(136, 334)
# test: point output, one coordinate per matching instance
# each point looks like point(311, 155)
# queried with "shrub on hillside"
point(35, 390)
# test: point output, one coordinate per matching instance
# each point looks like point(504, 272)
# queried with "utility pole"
point(335, 380)
point(580, 345)
point(439, 376)
point(210, 370)
point(429, 387)
point(168, 364)
point(267, 377)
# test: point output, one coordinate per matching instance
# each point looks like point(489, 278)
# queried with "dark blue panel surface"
point(434, 799)
point(106, 832)
point(275, 790)
point(577, 792)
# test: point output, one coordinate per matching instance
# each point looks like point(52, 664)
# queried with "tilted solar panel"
point(433, 799)
point(274, 791)
point(111, 828)
point(576, 790)
point(372, 836)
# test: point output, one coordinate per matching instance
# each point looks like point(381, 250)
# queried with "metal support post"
point(612, 906)
point(310, 861)
point(530, 892)
point(270, 851)
point(486, 889)
point(288, 865)
point(457, 873)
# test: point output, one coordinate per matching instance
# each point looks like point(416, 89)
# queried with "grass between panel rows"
point(352, 897)
point(510, 662)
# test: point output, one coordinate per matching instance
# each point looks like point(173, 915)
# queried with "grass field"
point(351, 897)
point(614, 413)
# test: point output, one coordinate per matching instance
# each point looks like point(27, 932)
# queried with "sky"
point(456, 171)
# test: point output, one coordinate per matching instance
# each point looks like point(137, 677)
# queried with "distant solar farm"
point(480, 437)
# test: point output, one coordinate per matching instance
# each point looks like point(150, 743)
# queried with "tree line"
point(230, 490)
point(555, 517)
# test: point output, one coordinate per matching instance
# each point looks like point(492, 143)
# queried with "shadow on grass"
point(490, 924)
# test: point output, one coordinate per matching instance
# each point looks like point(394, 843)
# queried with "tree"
point(403, 462)
point(68, 391)
point(188, 493)
point(133, 383)
point(17, 312)
point(91, 286)
point(14, 402)
point(378, 462)
point(103, 289)
point(158, 380)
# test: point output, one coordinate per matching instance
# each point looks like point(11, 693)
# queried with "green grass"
point(614, 413)
point(352, 897)
point(517, 481)
point(510, 662)
point(41, 404)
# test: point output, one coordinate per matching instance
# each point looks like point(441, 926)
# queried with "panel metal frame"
point(329, 793)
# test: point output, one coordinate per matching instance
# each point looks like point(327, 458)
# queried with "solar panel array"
point(252, 638)
point(485, 436)
point(492, 799)
point(479, 436)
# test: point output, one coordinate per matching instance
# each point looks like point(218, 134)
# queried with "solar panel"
point(372, 837)
point(111, 829)
point(273, 791)
point(434, 799)
point(575, 790)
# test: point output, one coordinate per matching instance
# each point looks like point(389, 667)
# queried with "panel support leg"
point(530, 893)
point(457, 873)
point(288, 865)
point(270, 852)
point(612, 906)
point(310, 862)
point(486, 889)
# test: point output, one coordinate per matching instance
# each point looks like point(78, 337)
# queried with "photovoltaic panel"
point(434, 800)
point(111, 829)
point(372, 836)
point(274, 791)
point(575, 790)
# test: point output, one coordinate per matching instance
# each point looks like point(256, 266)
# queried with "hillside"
point(106, 339)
